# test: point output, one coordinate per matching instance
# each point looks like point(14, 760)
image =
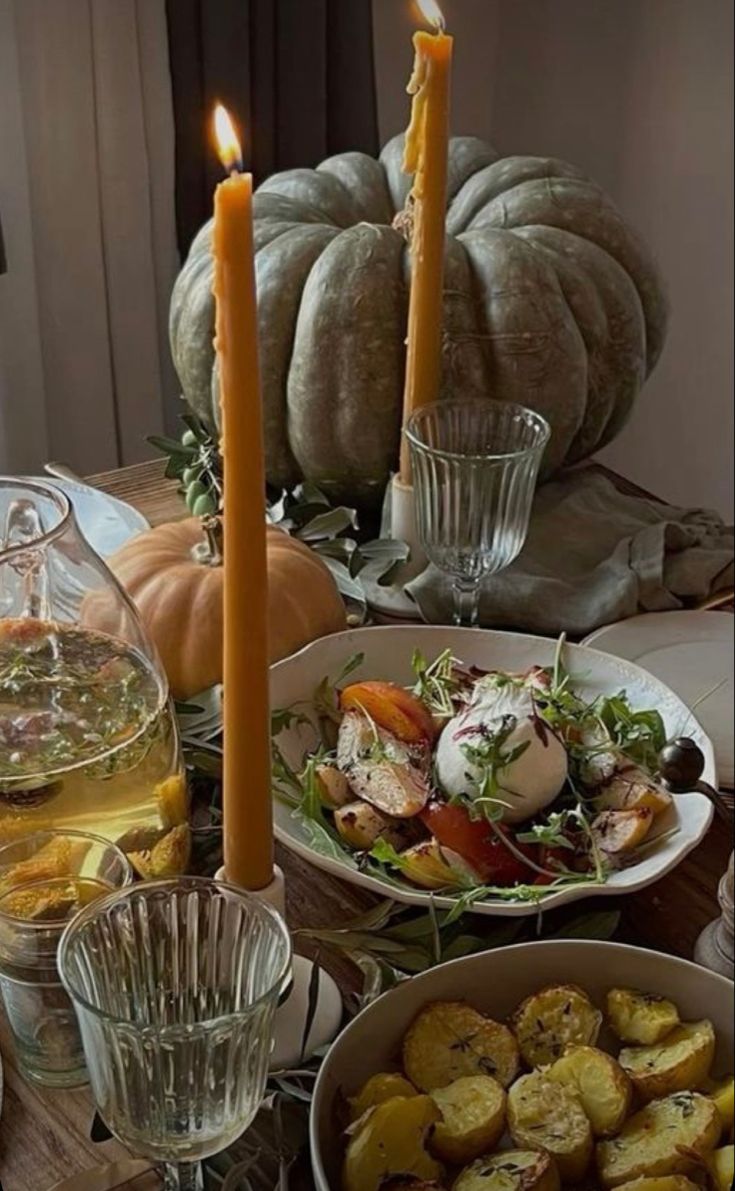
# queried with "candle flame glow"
point(432, 14)
point(228, 146)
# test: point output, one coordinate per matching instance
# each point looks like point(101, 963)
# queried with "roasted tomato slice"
point(477, 843)
point(555, 860)
point(392, 708)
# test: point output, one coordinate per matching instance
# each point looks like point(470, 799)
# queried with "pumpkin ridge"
point(519, 364)
point(589, 313)
point(365, 174)
point(622, 361)
point(606, 228)
point(335, 348)
point(318, 187)
point(278, 306)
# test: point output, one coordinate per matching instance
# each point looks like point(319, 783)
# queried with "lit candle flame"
point(228, 146)
point(432, 14)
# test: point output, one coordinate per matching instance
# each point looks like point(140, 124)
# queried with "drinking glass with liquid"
point(45, 880)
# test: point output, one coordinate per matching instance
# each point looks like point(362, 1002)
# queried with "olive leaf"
point(304, 512)
point(390, 942)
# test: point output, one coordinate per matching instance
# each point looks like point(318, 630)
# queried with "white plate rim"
point(695, 809)
point(654, 621)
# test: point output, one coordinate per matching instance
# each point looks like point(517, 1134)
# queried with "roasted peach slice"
point(392, 708)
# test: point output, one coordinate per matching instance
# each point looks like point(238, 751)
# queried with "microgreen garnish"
point(439, 684)
point(552, 833)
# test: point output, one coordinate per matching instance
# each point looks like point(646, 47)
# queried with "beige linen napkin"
point(595, 555)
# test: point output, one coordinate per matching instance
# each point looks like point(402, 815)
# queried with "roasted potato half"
point(473, 1118)
point(666, 1137)
point(334, 789)
point(640, 1017)
point(722, 1093)
point(549, 1116)
point(722, 1168)
point(512, 1170)
point(361, 825)
point(603, 1088)
point(680, 1062)
point(549, 1021)
point(630, 790)
point(667, 1182)
point(618, 832)
point(379, 1088)
point(449, 1039)
point(391, 1141)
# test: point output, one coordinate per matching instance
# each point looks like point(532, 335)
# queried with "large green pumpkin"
point(550, 300)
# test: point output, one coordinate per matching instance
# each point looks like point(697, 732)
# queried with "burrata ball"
point(499, 719)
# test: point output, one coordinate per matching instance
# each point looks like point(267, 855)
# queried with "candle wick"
point(234, 171)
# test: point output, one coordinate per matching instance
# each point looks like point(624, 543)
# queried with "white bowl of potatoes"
point(533, 1068)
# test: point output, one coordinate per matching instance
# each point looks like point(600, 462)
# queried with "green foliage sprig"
point(304, 512)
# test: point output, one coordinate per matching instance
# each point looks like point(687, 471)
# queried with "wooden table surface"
point(45, 1136)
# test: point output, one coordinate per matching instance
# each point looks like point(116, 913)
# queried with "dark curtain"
point(297, 75)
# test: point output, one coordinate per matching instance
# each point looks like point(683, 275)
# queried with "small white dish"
point(106, 522)
point(387, 654)
point(692, 652)
point(495, 982)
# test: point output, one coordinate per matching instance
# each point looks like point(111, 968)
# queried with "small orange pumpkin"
point(173, 575)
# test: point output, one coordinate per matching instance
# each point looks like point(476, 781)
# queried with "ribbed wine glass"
point(474, 466)
point(176, 984)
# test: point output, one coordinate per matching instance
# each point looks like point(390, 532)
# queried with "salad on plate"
point(477, 783)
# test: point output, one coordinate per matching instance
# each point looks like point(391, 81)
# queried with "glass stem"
point(183, 1176)
point(466, 593)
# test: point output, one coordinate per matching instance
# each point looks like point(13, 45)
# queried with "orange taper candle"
point(246, 787)
point(425, 156)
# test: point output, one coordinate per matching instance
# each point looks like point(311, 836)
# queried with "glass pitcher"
point(88, 740)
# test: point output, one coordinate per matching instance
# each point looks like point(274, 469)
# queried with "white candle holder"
point(390, 601)
point(290, 1047)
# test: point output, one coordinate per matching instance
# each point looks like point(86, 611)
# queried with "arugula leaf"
point(310, 814)
point(386, 854)
point(640, 735)
point(285, 717)
point(489, 758)
point(326, 702)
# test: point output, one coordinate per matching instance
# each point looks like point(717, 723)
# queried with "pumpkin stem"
point(209, 552)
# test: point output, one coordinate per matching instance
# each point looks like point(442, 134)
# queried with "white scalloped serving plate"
point(387, 656)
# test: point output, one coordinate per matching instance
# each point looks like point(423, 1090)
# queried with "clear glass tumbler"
point(475, 465)
point(45, 879)
point(176, 984)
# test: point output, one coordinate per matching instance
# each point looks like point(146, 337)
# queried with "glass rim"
point(46, 833)
point(100, 904)
point(59, 498)
point(481, 403)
